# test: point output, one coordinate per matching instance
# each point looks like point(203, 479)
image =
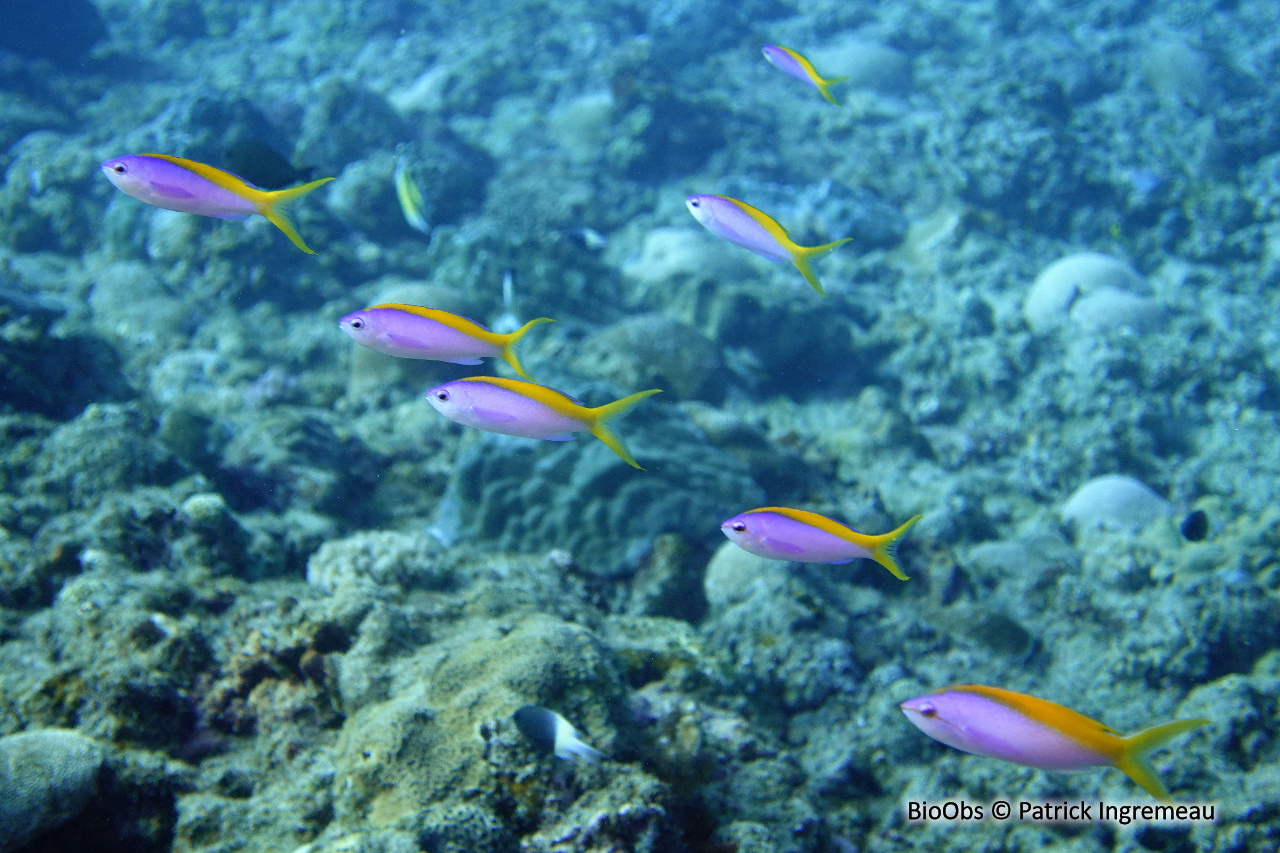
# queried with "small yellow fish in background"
point(412, 205)
point(792, 63)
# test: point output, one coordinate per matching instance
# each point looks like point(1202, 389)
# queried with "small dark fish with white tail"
point(553, 734)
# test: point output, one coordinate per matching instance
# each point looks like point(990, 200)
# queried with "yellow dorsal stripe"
point(1091, 734)
point(559, 403)
point(823, 523)
point(444, 318)
point(217, 177)
point(766, 222)
point(804, 63)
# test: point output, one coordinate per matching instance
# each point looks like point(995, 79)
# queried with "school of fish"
point(981, 720)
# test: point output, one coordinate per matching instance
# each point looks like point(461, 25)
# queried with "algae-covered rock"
point(345, 122)
point(292, 455)
point(450, 178)
point(109, 447)
point(124, 531)
point(25, 579)
point(464, 828)
point(580, 497)
point(781, 470)
point(452, 700)
point(206, 124)
point(363, 196)
point(1233, 621)
point(48, 373)
point(734, 576)
point(45, 199)
point(759, 792)
point(450, 174)
point(664, 130)
point(581, 125)
point(372, 560)
point(126, 653)
point(215, 539)
point(789, 338)
point(632, 814)
point(669, 581)
point(681, 31)
point(786, 643)
point(47, 776)
point(655, 351)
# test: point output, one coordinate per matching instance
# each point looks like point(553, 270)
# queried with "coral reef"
point(48, 777)
point(255, 595)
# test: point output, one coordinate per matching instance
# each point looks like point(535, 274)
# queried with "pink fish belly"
point(172, 187)
point(410, 336)
point(787, 539)
point(730, 222)
point(498, 410)
point(988, 728)
point(783, 62)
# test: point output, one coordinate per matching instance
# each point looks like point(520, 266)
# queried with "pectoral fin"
point(493, 416)
point(784, 547)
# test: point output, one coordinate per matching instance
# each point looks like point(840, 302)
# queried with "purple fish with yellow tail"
point(792, 63)
point(779, 533)
point(511, 407)
point(739, 222)
point(411, 331)
point(190, 187)
point(1037, 733)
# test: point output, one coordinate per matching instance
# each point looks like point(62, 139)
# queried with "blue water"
point(289, 606)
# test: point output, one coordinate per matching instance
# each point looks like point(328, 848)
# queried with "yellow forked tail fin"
point(604, 414)
point(1135, 762)
point(885, 550)
point(824, 87)
point(800, 257)
point(272, 205)
point(509, 353)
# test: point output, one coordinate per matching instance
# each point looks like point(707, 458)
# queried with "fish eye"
point(693, 202)
point(928, 711)
point(442, 395)
point(119, 168)
point(739, 526)
point(357, 324)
